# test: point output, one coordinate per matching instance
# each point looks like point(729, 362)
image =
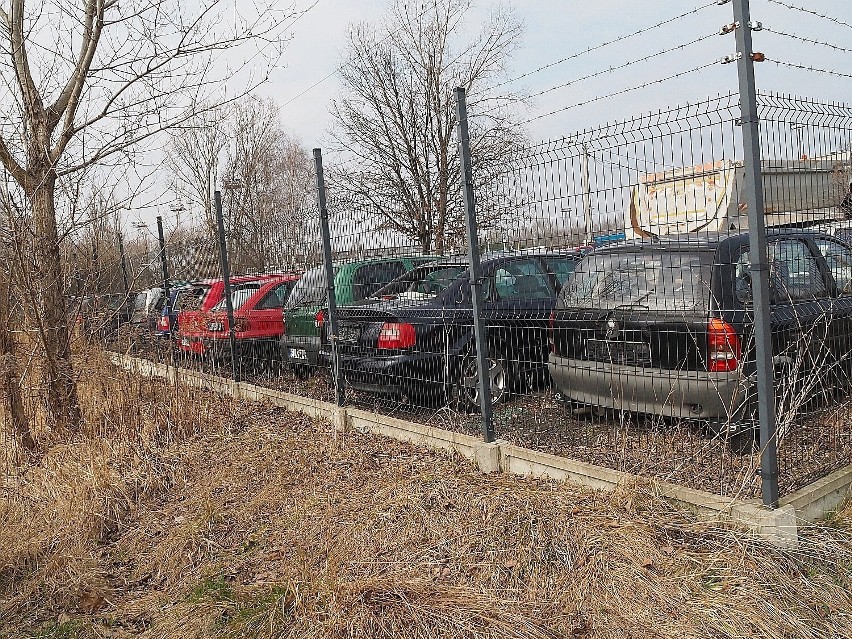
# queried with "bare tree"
point(193, 157)
point(270, 213)
point(396, 124)
point(87, 82)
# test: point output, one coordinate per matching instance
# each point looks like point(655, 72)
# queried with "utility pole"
point(758, 254)
point(479, 329)
point(163, 261)
point(123, 259)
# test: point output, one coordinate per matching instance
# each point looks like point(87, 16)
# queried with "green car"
point(302, 344)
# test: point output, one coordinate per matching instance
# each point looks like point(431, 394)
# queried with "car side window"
point(794, 274)
point(370, 278)
point(839, 260)
point(275, 298)
point(521, 279)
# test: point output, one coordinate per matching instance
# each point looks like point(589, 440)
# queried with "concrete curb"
point(777, 526)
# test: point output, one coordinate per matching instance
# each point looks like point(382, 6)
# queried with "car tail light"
point(394, 335)
point(163, 323)
point(319, 319)
point(723, 347)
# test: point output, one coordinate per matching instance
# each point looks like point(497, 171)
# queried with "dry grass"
point(193, 517)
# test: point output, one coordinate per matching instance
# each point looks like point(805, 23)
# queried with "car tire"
point(465, 386)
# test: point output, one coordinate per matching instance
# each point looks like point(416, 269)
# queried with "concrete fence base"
point(778, 526)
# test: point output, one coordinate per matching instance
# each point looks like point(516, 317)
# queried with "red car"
point(258, 319)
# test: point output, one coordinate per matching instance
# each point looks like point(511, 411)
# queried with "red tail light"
point(163, 323)
point(319, 319)
point(394, 335)
point(723, 347)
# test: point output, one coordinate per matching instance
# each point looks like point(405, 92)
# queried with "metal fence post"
point(226, 278)
point(339, 390)
point(757, 254)
point(479, 329)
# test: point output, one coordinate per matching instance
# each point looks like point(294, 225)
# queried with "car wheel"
point(466, 386)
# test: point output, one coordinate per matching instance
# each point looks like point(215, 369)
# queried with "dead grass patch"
point(214, 519)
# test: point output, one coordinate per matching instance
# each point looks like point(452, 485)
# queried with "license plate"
point(614, 352)
point(349, 333)
point(184, 341)
point(299, 353)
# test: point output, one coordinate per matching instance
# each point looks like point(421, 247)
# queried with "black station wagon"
point(665, 326)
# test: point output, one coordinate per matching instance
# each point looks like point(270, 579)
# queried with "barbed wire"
point(626, 64)
point(811, 12)
point(803, 67)
point(622, 91)
point(607, 43)
point(836, 47)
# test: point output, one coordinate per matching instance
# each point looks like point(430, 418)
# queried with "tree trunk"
point(9, 379)
point(61, 402)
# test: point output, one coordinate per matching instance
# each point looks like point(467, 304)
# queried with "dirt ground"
point(179, 514)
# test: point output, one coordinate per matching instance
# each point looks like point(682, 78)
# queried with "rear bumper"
point(717, 397)
point(400, 374)
point(299, 350)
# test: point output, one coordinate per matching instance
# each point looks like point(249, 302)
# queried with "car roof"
point(703, 240)
point(493, 258)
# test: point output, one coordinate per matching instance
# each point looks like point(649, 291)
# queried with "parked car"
point(147, 307)
point(665, 326)
point(304, 314)
point(258, 321)
point(168, 323)
point(415, 337)
point(196, 302)
point(102, 315)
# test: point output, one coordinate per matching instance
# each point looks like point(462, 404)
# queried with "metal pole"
point(339, 390)
point(163, 261)
point(757, 255)
point(587, 197)
point(96, 271)
point(123, 258)
point(226, 278)
point(479, 329)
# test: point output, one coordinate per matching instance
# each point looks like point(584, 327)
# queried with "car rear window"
point(653, 280)
point(239, 295)
point(562, 268)
point(193, 299)
point(310, 290)
point(423, 282)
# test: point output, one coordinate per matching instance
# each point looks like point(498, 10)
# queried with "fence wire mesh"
point(616, 286)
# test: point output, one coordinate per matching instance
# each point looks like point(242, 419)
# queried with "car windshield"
point(240, 295)
point(422, 283)
point(653, 280)
point(192, 299)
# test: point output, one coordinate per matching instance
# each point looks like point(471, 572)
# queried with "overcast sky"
point(558, 29)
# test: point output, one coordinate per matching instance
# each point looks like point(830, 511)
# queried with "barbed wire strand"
point(836, 47)
point(607, 43)
point(804, 67)
point(622, 91)
point(626, 64)
point(811, 12)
